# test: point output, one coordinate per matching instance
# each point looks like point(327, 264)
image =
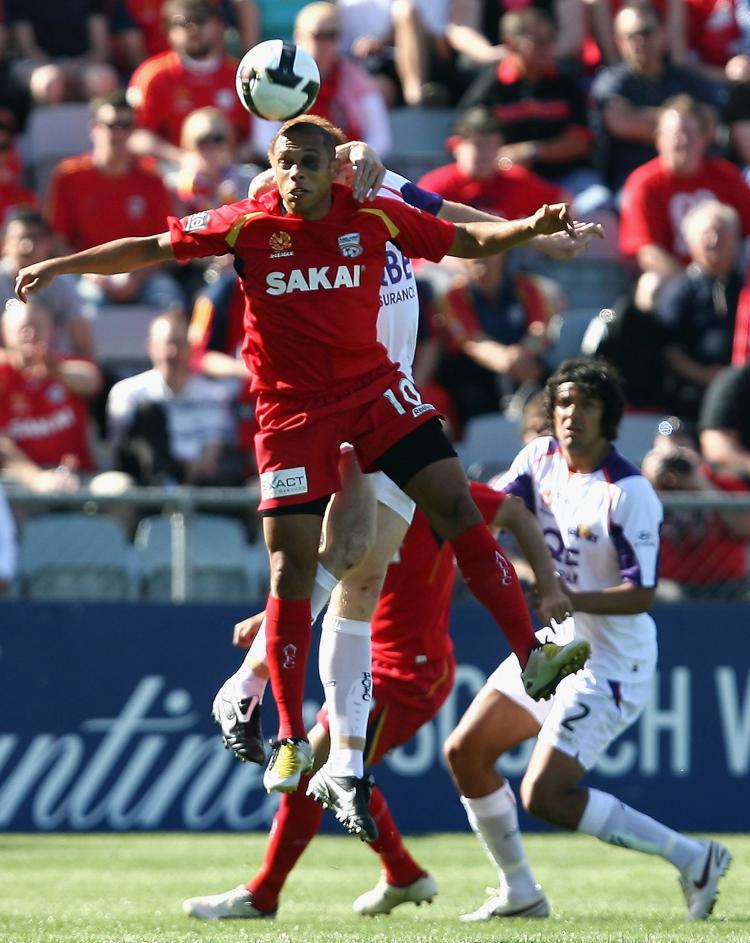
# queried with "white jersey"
point(602, 529)
point(398, 319)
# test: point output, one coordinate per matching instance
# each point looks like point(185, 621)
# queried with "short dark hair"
point(330, 135)
point(477, 120)
point(596, 379)
point(200, 9)
point(26, 215)
point(116, 99)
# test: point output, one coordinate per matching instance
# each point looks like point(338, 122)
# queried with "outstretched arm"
point(110, 258)
point(559, 245)
point(475, 240)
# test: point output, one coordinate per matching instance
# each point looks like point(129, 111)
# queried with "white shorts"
point(586, 713)
point(387, 492)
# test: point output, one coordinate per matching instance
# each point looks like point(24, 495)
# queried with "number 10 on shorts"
point(406, 396)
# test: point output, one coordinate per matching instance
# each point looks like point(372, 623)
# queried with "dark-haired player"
point(601, 521)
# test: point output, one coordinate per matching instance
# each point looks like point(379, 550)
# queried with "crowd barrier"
point(106, 724)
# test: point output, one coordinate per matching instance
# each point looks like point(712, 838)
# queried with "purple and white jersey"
point(398, 319)
point(602, 529)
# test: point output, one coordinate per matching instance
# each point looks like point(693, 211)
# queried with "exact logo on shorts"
point(283, 483)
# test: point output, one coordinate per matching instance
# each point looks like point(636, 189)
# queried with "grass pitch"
point(128, 889)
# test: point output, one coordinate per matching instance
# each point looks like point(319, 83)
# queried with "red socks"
point(491, 578)
point(400, 868)
point(294, 826)
point(288, 635)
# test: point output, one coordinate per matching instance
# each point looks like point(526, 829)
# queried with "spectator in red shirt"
point(479, 178)
point(196, 72)
point(209, 173)
point(106, 194)
point(700, 550)
point(658, 195)
point(43, 403)
point(13, 195)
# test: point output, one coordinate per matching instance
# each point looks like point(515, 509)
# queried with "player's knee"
point(539, 797)
point(347, 551)
point(291, 574)
point(461, 753)
point(453, 511)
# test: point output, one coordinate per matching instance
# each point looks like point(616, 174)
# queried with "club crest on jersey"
point(350, 246)
point(281, 245)
point(197, 221)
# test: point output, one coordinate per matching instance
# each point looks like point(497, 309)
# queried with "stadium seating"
point(52, 133)
point(120, 335)
point(491, 438)
point(67, 556)
point(636, 435)
point(419, 136)
point(217, 556)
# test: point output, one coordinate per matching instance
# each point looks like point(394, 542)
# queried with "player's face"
point(304, 172)
point(577, 421)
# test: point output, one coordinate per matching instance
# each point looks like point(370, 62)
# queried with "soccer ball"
point(277, 80)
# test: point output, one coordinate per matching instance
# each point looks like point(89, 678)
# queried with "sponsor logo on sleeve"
point(350, 245)
point(197, 221)
point(283, 483)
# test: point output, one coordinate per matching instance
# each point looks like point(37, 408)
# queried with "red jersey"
point(13, 195)
point(163, 91)
point(313, 287)
point(512, 193)
point(699, 548)
point(44, 418)
point(89, 207)
point(411, 620)
point(713, 30)
point(656, 201)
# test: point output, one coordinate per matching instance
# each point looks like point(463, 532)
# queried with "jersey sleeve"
point(635, 522)
point(487, 499)
point(519, 479)
point(211, 232)
point(418, 234)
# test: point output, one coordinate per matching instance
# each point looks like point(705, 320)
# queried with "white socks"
point(612, 821)
point(345, 671)
point(251, 677)
point(494, 820)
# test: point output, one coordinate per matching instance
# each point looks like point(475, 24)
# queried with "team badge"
point(281, 244)
point(197, 221)
point(350, 246)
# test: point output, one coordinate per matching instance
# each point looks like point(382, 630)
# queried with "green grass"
point(128, 888)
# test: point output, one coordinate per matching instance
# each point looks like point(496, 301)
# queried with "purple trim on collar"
point(616, 466)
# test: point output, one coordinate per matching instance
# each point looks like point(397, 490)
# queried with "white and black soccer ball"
point(277, 80)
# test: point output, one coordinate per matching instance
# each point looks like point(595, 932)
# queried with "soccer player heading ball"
point(310, 259)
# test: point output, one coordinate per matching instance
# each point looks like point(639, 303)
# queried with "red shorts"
point(403, 701)
point(297, 448)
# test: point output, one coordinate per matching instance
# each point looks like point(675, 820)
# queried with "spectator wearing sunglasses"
point(209, 174)
point(106, 194)
point(349, 98)
point(196, 72)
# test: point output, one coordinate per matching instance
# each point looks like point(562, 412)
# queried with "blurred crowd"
point(637, 113)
